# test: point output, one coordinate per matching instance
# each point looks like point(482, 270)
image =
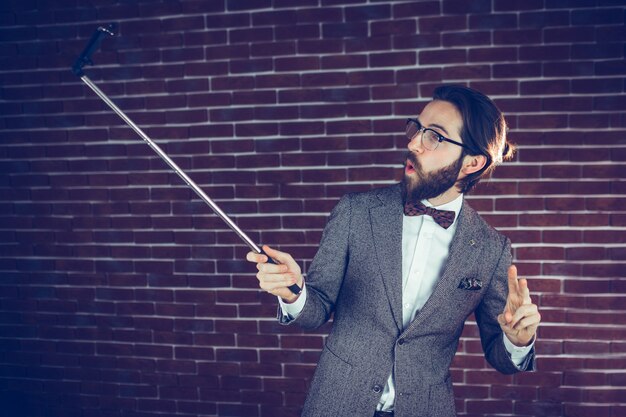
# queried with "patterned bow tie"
point(443, 218)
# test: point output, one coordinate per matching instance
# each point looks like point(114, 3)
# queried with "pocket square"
point(470, 284)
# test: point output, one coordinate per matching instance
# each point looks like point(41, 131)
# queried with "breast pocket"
point(467, 295)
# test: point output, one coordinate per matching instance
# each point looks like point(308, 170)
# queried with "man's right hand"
point(276, 278)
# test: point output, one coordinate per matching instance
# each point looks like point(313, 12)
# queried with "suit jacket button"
point(401, 342)
point(377, 388)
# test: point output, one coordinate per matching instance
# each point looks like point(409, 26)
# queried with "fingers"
point(281, 257)
point(526, 322)
point(273, 282)
point(272, 268)
point(519, 294)
point(256, 257)
point(508, 316)
point(518, 286)
point(520, 318)
point(266, 269)
point(524, 332)
point(525, 311)
point(275, 278)
point(513, 284)
point(524, 291)
point(502, 320)
point(529, 323)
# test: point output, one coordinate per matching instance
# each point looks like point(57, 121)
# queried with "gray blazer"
point(357, 276)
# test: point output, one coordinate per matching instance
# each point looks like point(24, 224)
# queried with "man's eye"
point(432, 136)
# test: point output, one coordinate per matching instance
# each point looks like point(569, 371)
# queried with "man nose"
point(415, 144)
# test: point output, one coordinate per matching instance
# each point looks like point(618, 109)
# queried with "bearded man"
point(401, 268)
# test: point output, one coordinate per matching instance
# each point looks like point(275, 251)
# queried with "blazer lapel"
point(466, 246)
point(386, 221)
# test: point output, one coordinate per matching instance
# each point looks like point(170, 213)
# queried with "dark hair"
point(484, 129)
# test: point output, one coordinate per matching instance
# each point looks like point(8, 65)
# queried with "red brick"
point(370, 109)
point(302, 128)
point(284, 384)
point(314, 46)
point(466, 38)
point(394, 92)
point(354, 126)
point(492, 21)
point(327, 78)
point(419, 75)
point(228, 83)
point(439, 24)
point(392, 59)
point(295, 64)
point(399, 27)
point(344, 30)
point(251, 65)
point(516, 70)
point(360, 13)
point(316, 14)
point(272, 17)
point(546, 87)
point(422, 40)
point(257, 341)
point(609, 67)
point(442, 56)
point(587, 86)
point(466, 72)
point(344, 61)
point(543, 121)
point(299, 95)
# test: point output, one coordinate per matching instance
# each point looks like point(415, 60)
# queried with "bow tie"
point(443, 218)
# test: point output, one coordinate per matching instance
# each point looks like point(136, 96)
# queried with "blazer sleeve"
point(491, 306)
point(326, 273)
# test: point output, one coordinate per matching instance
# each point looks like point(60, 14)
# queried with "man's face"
point(428, 174)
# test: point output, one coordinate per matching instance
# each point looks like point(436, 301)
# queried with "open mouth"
point(408, 167)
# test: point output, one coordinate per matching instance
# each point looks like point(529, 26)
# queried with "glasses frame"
point(440, 137)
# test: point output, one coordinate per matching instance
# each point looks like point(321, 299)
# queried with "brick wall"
point(122, 295)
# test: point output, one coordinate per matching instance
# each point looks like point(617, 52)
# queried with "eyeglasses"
point(430, 138)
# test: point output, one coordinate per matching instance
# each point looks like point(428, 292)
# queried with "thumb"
point(508, 316)
point(281, 257)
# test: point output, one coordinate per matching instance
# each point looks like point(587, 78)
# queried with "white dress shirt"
point(425, 248)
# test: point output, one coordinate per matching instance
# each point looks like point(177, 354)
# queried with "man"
point(401, 268)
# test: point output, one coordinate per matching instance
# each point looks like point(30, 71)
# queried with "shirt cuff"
point(293, 310)
point(518, 353)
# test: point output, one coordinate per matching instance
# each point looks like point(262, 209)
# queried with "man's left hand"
point(520, 318)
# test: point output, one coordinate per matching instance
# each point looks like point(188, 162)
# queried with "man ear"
point(473, 163)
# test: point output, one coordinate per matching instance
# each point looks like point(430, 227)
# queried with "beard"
point(424, 186)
